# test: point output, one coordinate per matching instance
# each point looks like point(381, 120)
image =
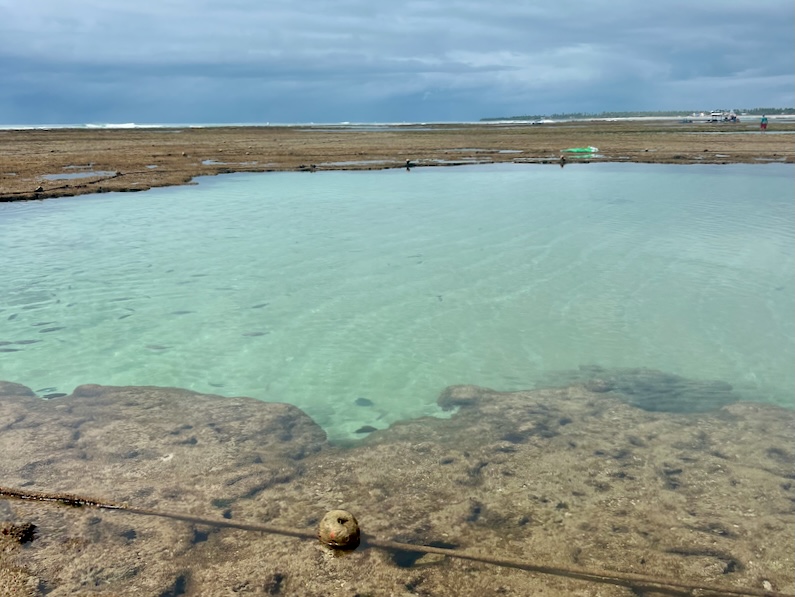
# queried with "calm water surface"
point(320, 289)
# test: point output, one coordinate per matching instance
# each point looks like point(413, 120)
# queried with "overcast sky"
point(202, 61)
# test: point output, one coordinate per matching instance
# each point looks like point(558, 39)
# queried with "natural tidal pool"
point(359, 296)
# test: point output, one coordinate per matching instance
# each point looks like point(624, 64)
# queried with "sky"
point(258, 61)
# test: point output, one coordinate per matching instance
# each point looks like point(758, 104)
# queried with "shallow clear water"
point(74, 175)
point(318, 289)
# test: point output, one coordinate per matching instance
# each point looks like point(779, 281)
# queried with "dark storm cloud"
point(254, 60)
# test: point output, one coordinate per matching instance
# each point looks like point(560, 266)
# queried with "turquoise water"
point(319, 289)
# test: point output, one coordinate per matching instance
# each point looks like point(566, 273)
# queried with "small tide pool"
point(78, 174)
point(384, 287)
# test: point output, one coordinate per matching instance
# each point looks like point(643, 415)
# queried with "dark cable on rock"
point(66, 499)
point(340, 521)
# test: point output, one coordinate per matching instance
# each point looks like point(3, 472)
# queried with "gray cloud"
point(255, 60)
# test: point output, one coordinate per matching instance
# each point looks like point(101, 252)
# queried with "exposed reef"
point(82, 161)
point(562, 476)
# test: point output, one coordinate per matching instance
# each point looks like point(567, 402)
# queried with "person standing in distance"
point(763, 123)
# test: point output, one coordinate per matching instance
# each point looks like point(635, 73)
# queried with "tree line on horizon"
point(637, 114)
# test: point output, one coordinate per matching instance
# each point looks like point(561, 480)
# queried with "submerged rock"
point(650, 389)
point(8, 388)
point(464, 395)
point(654, 390)
point(366, 429)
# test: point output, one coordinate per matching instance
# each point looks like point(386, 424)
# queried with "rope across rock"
point(339, 530)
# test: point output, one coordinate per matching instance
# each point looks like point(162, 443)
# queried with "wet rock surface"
point(565, 476)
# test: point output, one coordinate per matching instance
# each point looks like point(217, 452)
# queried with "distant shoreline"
point(748, 118)
point(750, 113)
point(40, 163)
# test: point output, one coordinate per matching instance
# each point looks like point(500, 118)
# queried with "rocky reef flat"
point(587, 475)
point(59, 162)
